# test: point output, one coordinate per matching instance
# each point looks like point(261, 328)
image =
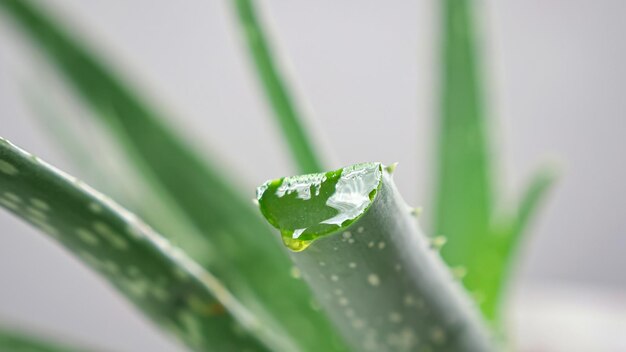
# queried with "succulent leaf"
point(355, 241)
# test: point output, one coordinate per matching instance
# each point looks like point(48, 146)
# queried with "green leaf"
point(164, 283)
point(143, 197)
point(356, 242)
point(234, 243)
point(538, 187)
point(463, 200)
point(504, 239)
point(19, 342)
point(281, 98)
point(44, 108)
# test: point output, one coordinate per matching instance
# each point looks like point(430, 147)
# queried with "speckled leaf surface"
point(243, 253)
point(157, 277)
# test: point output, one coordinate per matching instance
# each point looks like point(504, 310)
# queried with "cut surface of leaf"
point(158, 278)
point(281, 98)
point(371, 268)
point(338, 197)
point(245, 254)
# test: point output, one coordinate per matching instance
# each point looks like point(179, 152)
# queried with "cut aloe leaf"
point(12, 341)
point(243, 254)
point(280, 96)
point(357, 244)
point(158, 278)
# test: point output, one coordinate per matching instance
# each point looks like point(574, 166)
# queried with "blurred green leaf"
point(158, 278)
point(282, 100)
point(13, 341)
point(143, 196)
point(235, 245)
point(505, 235)
point(464, 199)
point(538, 187)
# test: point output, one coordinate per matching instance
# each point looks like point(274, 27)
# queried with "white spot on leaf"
point(87, 236)
point(111, 236)
point(395, 317)
point(36, 213)
point(12, 197)
point(295, 272)
point(40, 204)
point(95, 207)
point(373, 279)
point(8, 204)
point(437, 335)
point(8, 168)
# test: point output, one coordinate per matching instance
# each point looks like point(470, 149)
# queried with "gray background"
point(556, 72)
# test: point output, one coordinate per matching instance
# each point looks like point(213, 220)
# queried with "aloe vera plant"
point(216, 276)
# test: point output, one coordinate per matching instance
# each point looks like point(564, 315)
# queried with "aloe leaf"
point(158, 278)
point(465, 214)
point(535, 193)
point(19, 342)
point(506, 237)
point(357, 244)
point(281, 98)
point(243, 254)
point(463, 200)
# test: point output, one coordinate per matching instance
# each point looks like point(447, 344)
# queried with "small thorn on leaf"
point(438, 242)
point(459, 272)
point(255, 201)
point(391, 168)
point(416, 211)
point(295, 273)
point(479, 297)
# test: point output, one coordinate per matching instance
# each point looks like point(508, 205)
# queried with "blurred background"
point(367, 71)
